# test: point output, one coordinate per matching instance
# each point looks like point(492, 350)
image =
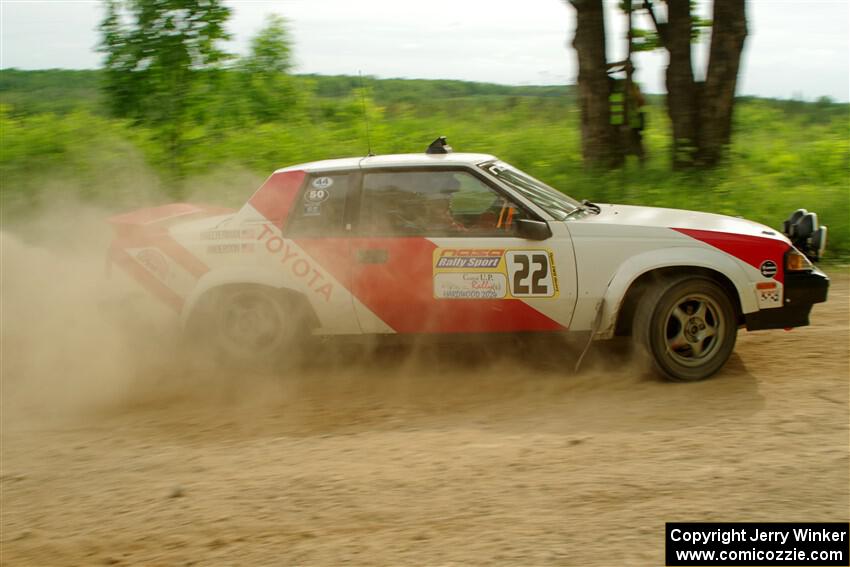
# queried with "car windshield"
point(550, 200)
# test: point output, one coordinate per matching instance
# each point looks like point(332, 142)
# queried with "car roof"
point(393, 160)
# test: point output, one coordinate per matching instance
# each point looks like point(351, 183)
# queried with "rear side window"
point(320, 209)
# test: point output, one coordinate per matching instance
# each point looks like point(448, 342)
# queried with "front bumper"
point(802, 290)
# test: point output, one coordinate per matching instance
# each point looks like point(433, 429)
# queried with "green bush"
point(784, 155)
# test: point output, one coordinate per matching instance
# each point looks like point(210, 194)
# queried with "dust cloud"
point(78, 337)
point(77, 334)
point(70, 339)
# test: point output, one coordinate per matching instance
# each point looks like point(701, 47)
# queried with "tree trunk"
point(727, 42)
point(683, 93)
point(701, 113)
point(600, 144)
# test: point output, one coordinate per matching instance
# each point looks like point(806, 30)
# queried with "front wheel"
point(687, 326)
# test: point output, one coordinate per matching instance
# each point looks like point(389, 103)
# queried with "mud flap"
point(595, 327)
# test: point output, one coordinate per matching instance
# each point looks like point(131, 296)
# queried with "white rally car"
point(445, 243)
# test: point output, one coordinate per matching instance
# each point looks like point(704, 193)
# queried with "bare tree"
point(600, 142)
point(701, 111)
point(718, 96)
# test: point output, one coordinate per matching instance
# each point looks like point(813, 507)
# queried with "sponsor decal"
point(497, 273)
point(769, 294)
point(299, 265)
point(244, 247)
point(245, 234)
point(469, 258)
point(322, 183)
point(141, 271)
point(481, 285)
point(768, 268)
point(154, 261)
point(312, 210)
point(316, 196)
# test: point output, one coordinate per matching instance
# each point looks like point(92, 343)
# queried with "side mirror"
point(532, 229)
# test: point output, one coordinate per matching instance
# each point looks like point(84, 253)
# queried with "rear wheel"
point(687, 326)
point(252, 326)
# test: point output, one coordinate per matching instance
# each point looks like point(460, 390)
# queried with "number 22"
point(541, 270)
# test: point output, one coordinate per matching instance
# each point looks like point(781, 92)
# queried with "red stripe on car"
point(400, 289)
point(274, 199)
point(181, 255)
point(754, 250)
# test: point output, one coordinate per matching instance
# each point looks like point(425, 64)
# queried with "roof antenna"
point(365, 115)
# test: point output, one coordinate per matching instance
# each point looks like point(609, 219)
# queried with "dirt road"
point(505, 457)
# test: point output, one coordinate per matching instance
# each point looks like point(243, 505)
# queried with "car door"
point(435, 250)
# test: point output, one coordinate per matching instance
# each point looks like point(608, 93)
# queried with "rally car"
point(449, 244)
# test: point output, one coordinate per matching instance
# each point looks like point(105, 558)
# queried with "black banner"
point(763, 544)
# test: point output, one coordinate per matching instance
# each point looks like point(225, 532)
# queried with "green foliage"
point(27, 91)
point(57, 90)
point(271, 94)
point(421, 91)
point(785, 154)
point(152, 63)
point(645, 40)
point(270, 52)
point(155, 63)
point(650, 39)
point(77, 155)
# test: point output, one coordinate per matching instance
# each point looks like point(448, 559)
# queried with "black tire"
point(687, 326)
point(251, 326)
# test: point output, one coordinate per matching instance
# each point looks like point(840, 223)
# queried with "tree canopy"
point(156, 54)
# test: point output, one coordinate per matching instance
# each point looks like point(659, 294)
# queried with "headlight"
point(796, 261)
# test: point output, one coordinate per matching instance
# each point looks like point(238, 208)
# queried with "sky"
point(794, 49)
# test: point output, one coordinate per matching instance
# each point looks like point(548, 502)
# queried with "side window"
point(434, 203)
point(320, 208)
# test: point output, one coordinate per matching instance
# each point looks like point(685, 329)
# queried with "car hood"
point(657, 217)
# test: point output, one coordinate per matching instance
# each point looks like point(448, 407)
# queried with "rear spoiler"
point(154, 218)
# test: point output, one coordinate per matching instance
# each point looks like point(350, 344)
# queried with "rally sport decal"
point(494, 273)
